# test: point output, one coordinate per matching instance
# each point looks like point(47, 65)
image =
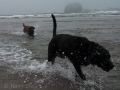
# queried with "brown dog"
point(29, 30)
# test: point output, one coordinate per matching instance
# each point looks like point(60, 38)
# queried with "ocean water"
point(23, 60)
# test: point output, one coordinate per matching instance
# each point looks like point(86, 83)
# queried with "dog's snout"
point(111, 66)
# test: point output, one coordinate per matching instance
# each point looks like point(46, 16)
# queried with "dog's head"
point(101, 57)
point(31, 31)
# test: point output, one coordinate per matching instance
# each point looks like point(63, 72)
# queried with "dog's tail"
point(23, 25)
point(54, 25)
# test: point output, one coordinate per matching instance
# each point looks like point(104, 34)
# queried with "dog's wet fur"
point(28, 30)
point(79, 50)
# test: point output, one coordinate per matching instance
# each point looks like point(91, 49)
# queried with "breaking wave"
point(18, 59)
point(62, 15)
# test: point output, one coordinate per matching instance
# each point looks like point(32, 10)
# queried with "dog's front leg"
point(79, 71)
point(51, 58)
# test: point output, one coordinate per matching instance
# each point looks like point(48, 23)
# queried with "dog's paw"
point(48, 64)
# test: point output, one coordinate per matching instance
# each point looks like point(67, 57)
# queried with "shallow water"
point(23, 60)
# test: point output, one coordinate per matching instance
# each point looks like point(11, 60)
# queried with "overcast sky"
point(49, 6)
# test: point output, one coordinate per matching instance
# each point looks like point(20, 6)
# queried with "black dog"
point(79, 50)
point(29, 30)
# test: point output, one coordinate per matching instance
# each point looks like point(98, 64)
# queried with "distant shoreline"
point(93, 12)
point(45, 15)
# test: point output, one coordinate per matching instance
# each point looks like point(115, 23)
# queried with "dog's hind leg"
point(79, 71)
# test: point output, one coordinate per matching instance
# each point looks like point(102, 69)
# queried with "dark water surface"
point(23, 60)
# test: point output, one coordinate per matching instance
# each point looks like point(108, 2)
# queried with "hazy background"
point(8, 7)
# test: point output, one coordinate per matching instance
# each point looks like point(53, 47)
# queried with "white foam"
point(62, 15)
point(18, 33)
point(18, 58)
point(13, 53)
point(107, 12)
point(37, 67)
point(89, 82)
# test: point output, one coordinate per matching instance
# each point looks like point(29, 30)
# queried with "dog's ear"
point(23, 25)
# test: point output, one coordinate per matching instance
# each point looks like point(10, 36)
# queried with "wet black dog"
point(29, 30)
point(79, 50)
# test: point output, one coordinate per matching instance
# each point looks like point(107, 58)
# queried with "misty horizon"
point(54, 6)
